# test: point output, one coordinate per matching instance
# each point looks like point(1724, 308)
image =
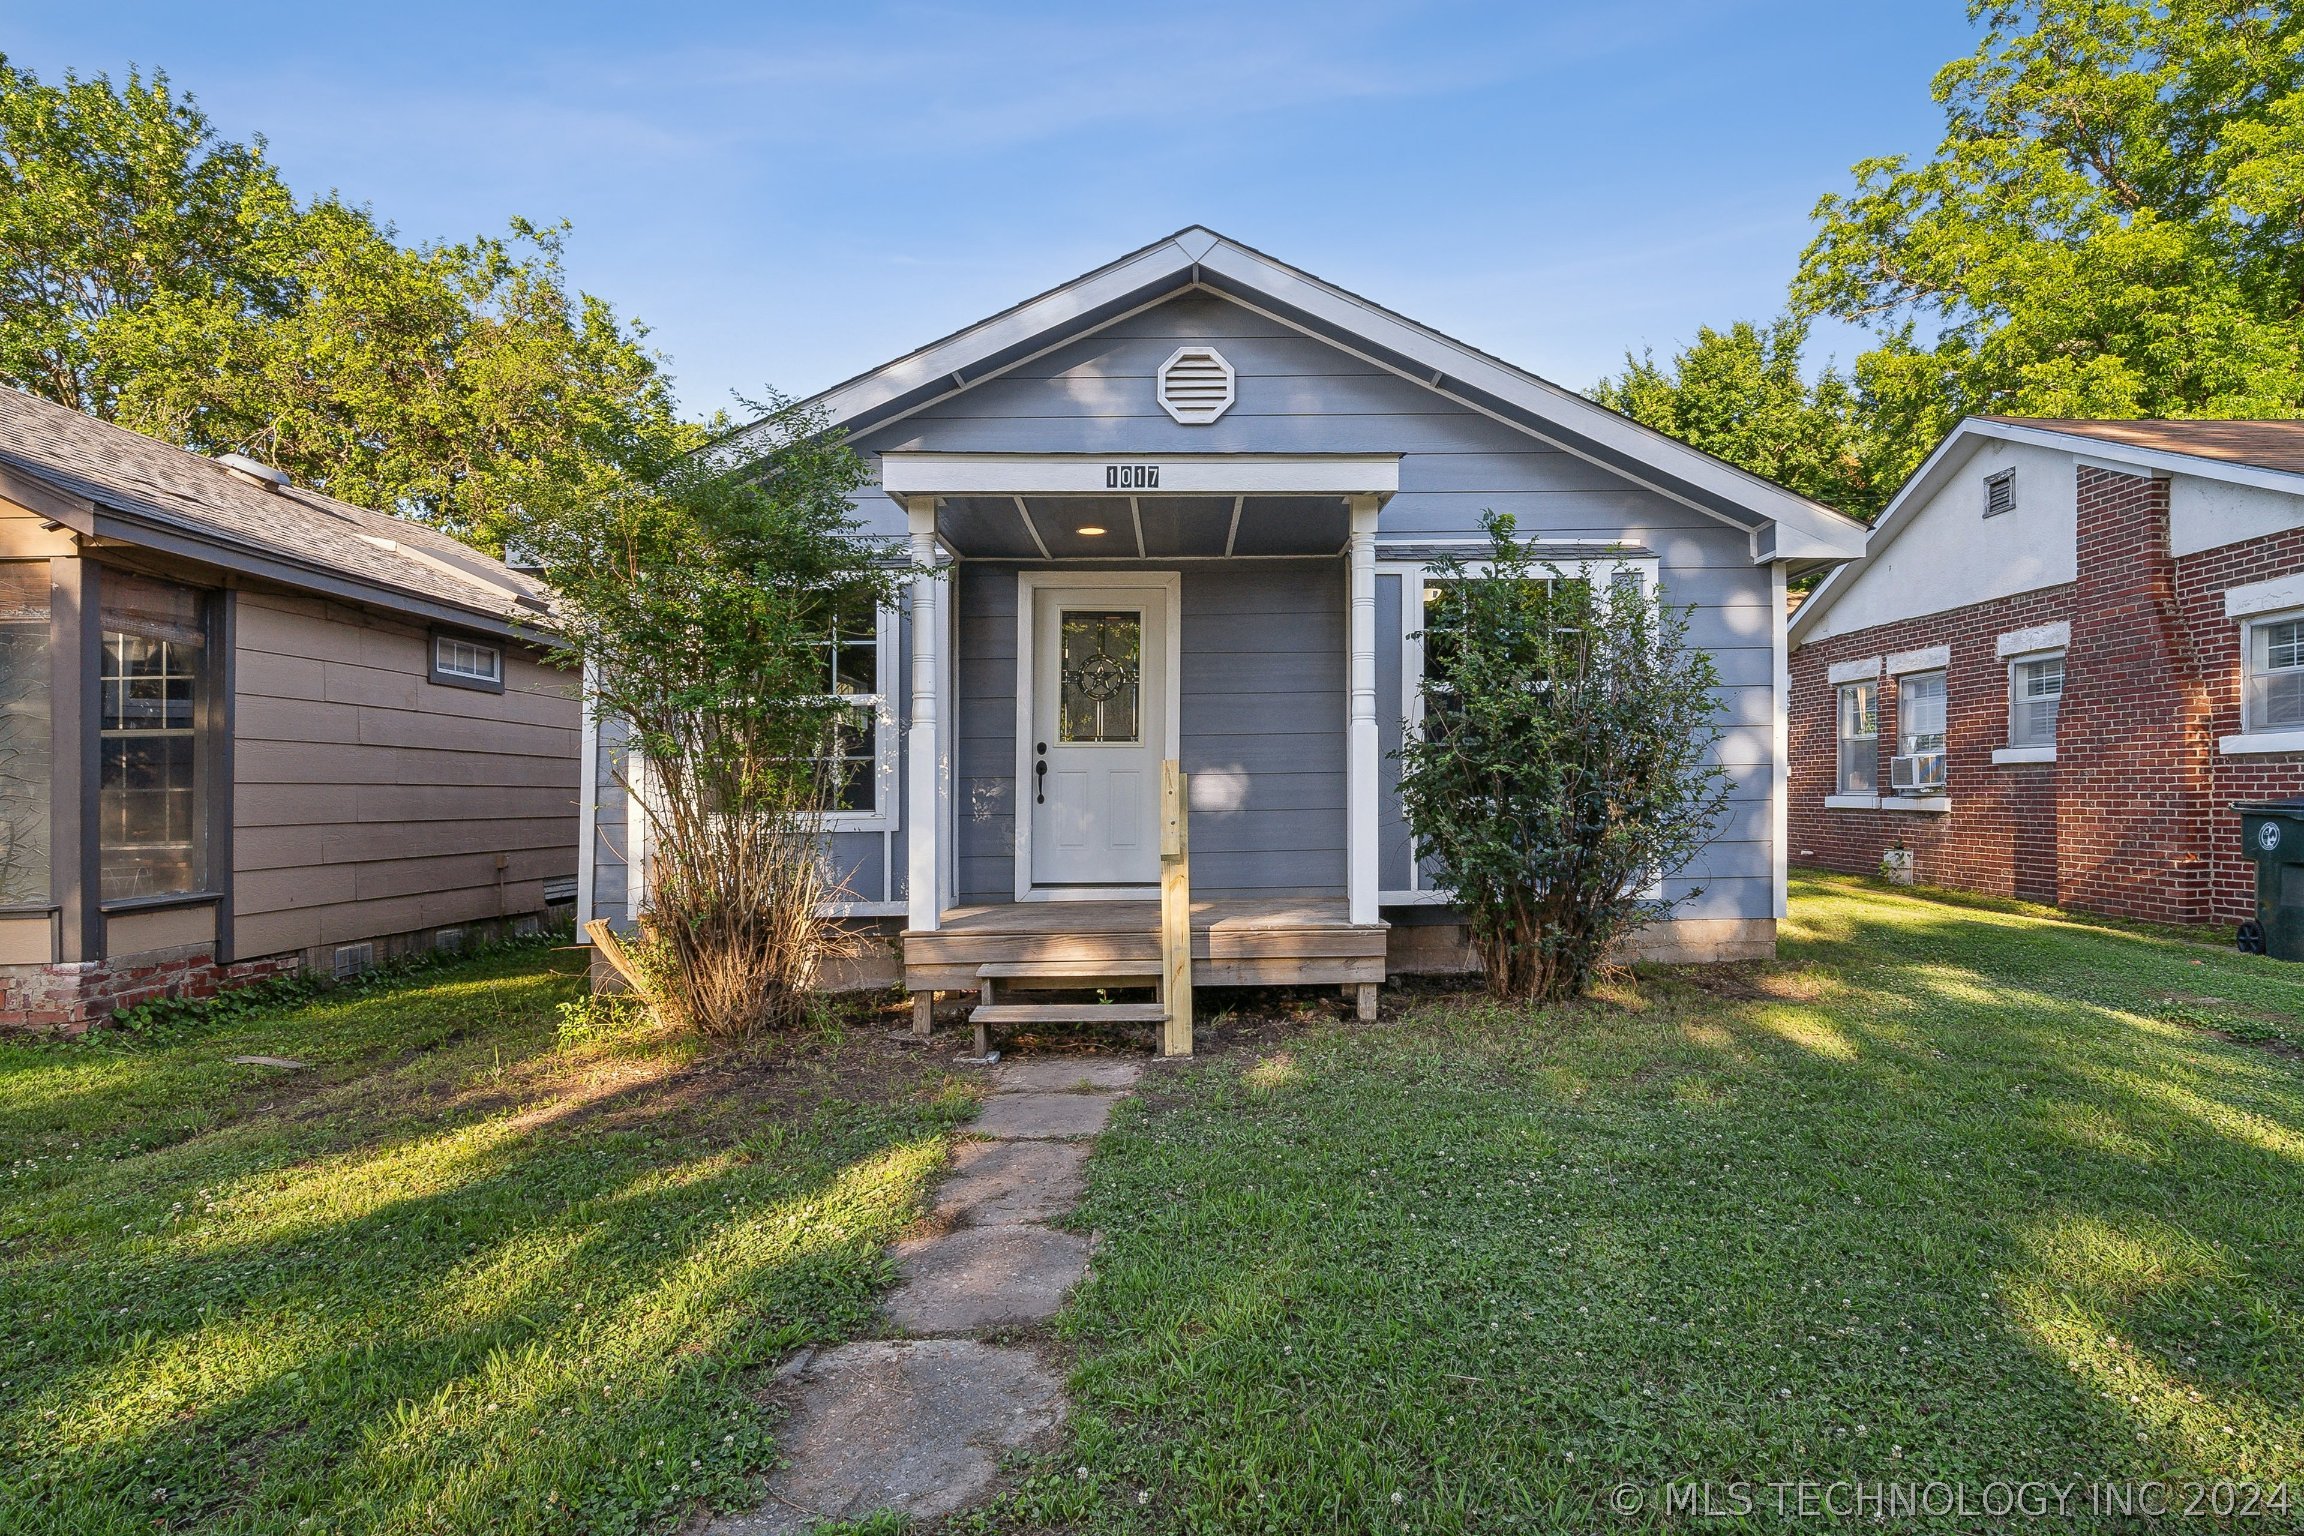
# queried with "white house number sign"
point(1131, 477)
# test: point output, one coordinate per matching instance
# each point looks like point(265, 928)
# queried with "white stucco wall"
point(2205, 513)
point(1949, 554)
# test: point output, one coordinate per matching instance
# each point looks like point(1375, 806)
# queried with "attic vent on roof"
point(255, 471)
point(1196, 385)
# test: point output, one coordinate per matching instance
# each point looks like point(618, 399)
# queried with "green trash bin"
point(2272, 833)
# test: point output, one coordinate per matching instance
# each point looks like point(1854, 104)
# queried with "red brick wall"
point(2000, 834)
point(2132, 746)
point(2133, 818)
point(72, 997)
point(2201, 580)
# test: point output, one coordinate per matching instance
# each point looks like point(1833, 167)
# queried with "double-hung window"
point(2035, 689)
point(1859, 737)
point(150, 816)
point(853, 659)
point(2274, 690)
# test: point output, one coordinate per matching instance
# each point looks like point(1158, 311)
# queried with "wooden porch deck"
point(1279, 942)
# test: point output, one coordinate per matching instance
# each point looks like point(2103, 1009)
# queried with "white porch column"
point(1360, 741)
point(922, 834)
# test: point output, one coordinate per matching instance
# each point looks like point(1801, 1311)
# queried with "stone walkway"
point(917, 1422)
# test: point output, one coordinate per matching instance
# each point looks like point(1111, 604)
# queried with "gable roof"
point(2266, 454)
point(104, 481)
point(1783, 525)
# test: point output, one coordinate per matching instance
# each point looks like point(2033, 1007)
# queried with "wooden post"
point(1175, 910)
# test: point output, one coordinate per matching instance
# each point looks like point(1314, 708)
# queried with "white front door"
point(1097, 723)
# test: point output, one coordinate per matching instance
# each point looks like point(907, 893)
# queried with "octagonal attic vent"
point(1196, 385)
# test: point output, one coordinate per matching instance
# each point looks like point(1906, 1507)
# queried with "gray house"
point(1184, 507)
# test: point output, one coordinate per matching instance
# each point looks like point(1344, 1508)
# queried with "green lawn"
point(452, 1277)
point(1952, 1191)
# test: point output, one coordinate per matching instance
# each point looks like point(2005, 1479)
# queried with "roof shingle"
point(2262, 444)
point(142, 478)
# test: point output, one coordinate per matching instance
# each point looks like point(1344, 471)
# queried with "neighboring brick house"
point(248, 729)
point(2097, 629)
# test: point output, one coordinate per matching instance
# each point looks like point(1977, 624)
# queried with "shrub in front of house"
point(1566, 765)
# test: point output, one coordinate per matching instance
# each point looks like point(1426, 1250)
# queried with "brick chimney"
point(2133, 738)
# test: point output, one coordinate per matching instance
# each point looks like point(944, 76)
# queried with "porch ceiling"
point(1149, 527)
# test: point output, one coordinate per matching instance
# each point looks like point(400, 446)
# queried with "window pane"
point(150, 830)
point(853, 762)
point(2276, 676)
point(2035, 689)
point(25, 764)
point(1920, 713)
point(1100, 655)
point(1859, 739)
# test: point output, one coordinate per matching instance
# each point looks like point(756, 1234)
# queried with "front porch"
point(1235, 943)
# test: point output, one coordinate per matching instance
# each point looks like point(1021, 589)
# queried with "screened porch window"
point(150, 827)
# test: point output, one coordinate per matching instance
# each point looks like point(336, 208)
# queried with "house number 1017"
point(1131, 477)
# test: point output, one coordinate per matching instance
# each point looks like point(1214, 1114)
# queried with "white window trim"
point(2029, 642)
point(1851, 802)
point(2038, 753)
point(2251, 740)
point(1413, 574)
point(1839, 740)
point(1933, 658)
point(1936, 804)
point(1865, 671)
point(2264, 598)
point(2261, 742)
point(885, 735)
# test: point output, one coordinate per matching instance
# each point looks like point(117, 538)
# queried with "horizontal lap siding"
point(370, 801)
point(1261, 704)
point(1266, 723)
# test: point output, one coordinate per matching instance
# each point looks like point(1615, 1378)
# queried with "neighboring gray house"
point(1188, 503)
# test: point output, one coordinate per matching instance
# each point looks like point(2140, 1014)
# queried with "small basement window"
point(458, 661)
point(2000, 493)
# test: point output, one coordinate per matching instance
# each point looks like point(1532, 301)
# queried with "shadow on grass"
point(1934, 1197)
point(433, 1297)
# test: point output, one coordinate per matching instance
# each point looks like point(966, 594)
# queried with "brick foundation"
point(2133, 819)
point(70, 998)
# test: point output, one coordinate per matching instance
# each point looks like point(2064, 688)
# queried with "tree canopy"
point(155, 274)
point(1739, 393)
point(2112, 226)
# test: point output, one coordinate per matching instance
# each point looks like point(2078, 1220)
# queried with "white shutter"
point(1196, 385)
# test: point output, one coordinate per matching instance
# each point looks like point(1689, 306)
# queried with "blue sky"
point(788, 194)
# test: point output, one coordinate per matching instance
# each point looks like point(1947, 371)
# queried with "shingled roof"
point(106, 481)
point(2264, 444)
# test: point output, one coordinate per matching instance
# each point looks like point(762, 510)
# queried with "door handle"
point(1040, 782)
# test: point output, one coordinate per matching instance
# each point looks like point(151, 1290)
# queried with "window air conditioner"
point(1917, 772)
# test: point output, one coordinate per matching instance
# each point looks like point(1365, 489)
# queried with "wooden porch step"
point(1069, 1013)
point(1086, 972)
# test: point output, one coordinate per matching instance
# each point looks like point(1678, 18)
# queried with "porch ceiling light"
point(1091, 531)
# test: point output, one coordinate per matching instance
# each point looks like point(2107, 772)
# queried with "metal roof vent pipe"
point(255, 471)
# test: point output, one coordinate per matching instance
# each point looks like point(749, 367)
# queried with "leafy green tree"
point(1567, 761)
point(154, 274)
point(700, 598)
point(2113, 225)
point(1739, 393)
